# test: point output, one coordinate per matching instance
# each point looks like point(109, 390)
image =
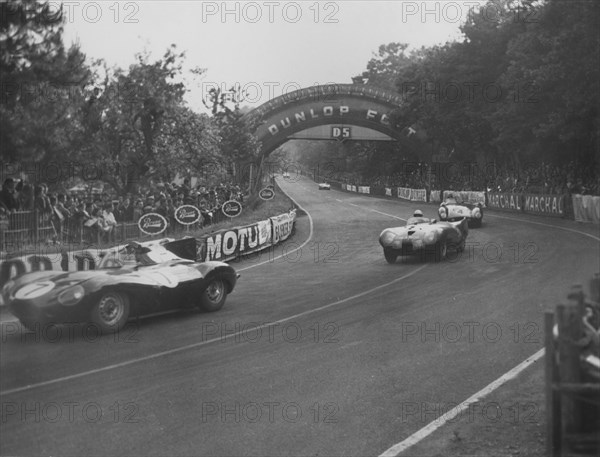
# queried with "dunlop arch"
point(338, 104)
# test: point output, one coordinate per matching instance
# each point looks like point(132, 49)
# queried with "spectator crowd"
point(540, 179)
point(70, 214)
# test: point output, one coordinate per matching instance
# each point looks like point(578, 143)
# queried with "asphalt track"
point(326, 351)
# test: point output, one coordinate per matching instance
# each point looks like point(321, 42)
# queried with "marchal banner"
point(152, 224)
point(549, 205)
point(504, 200)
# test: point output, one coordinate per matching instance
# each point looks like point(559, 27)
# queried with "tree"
point(41, 87)
point(139, 123)
point(239, 145)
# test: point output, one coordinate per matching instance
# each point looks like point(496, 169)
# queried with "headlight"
point(430, 237)
point(387, 237)
point(71, 296)
point(477, 213)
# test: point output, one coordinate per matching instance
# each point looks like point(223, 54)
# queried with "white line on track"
point(204, 343)
point(310, 235)
point(389, 215)
point(546, 225)
point(459, 409)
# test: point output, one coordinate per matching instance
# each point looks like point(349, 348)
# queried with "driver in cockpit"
point(417, 218)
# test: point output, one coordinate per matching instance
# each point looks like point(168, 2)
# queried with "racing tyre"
point(441, 249)
point(111, 311)
point(390, 255)
point(214, 295)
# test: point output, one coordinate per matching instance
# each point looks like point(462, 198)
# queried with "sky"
point(267, 48)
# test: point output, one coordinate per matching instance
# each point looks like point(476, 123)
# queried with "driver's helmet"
point(418, 213)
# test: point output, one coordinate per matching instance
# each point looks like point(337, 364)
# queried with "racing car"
point(452, 207)
point(324, 186)
point(422, 236)
point(131, 280)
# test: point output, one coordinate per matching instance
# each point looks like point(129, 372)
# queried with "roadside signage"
point(187, 214)
point(231, 208)
point(152, 224)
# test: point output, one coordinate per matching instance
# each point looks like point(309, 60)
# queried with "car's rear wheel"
point(390, 255)
point(213, 297)
point(111, 311)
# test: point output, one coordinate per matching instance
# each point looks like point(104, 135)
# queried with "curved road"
point(325, 351)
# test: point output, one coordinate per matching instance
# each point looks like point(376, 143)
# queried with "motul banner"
point(507, 201)
point(228, 244)
point(548, 205)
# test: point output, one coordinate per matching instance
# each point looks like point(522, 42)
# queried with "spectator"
point(9, 196)
point(27, 198)
point(138, 210)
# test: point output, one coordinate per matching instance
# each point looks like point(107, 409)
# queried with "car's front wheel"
point(441, 249)
point(213, 297)
point(390, 255)
point(111, 311)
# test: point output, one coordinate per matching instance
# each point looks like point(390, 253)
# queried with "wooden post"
point(553, 413)
point(570, 332)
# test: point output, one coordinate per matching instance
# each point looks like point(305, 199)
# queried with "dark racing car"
point(132, 280)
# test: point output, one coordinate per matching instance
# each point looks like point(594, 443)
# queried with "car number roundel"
point(34, 290)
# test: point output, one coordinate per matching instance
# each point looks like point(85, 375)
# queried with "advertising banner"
point(418, 195)
point(548, 205)
point(282, 226)
point(586, 208)
point(504, 200)
point(229, 243)
point(435, 196)
point(404, 193)
point(388, 191)
point(467, 196)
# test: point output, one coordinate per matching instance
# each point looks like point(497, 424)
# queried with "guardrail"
point(572, 391)
point(581, 208)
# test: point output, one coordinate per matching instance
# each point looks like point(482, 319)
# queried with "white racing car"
point(420, 235)
point(324, 186)
point(452, 208)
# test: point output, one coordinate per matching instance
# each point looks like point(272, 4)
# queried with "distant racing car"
point(324, 186)
point(424, 237)
point(131, 280)
point(452, 207)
